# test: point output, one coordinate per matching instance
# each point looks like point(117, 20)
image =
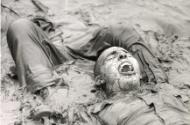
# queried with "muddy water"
point(165, 25)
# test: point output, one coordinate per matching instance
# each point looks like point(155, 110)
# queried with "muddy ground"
point(165, 24)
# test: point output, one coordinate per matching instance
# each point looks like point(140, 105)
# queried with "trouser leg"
point(34, 56)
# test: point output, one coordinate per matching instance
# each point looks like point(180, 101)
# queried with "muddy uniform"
point(35, 55)
point(128, 38)
point(145, 109)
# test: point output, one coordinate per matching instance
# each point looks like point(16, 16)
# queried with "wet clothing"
point(35, 56)
point(37, 60)
point(126, 37)
point(143, 109)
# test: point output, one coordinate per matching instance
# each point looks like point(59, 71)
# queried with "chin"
point(128, 84)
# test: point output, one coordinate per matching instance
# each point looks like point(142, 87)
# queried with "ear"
point(99, 80)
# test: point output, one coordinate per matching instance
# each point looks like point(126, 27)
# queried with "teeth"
point(127, 69)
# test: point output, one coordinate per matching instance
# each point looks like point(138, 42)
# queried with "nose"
point(122, 56)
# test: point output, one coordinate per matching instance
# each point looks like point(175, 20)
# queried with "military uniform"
point(35, 55)
point(142, 109)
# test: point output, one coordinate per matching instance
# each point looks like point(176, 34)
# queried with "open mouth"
point(126, 68)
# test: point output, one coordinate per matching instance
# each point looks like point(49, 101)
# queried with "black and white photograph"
point(95, 62)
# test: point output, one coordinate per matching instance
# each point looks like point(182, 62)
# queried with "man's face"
point(119, 69)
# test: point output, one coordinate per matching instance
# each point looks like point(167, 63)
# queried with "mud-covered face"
point(119, 69)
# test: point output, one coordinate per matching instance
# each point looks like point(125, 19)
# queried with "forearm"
point(151, 69)
point(128, 38)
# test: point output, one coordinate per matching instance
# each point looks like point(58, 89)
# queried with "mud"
point(164, 25)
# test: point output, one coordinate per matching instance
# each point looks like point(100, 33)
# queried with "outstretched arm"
point(128, 38)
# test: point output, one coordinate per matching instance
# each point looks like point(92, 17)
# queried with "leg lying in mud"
point(33, 54)
point(35, 58)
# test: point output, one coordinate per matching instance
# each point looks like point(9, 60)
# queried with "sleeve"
point(100, 40)
point(126, 37)
point(104, 38)
point(151, 69)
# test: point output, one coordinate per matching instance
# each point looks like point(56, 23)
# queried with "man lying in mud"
point(35, 55)
point(38, 60)
point(125, 105)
